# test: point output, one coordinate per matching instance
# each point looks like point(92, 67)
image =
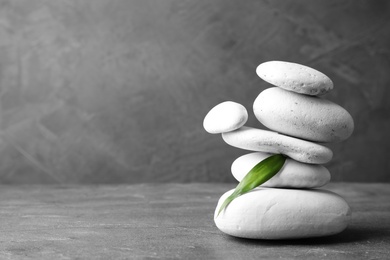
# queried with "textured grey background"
point(104, 91)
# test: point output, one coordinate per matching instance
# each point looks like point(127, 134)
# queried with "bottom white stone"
point(269, 213)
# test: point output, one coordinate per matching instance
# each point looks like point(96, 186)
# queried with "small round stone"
point(225, 117)
point(292, 175)
point(311, 118)
point(267, 213)
point(259, 140)
point(295, 77)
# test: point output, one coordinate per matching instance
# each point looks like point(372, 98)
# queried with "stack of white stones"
point(286, 206)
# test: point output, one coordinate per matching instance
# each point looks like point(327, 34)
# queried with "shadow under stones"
point(350, 235)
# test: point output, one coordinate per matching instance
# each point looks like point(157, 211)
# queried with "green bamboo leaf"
point(260, 173)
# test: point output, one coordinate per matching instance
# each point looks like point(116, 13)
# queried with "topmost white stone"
point(295, 77)
point(225, 117)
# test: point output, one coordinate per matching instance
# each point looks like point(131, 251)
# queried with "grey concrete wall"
point(115, 91)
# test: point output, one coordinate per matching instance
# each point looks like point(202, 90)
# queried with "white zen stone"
point(254, 139)
point(266, 213)
point(302, 116)
point(295, 77)
point(292, 175)
point(225, 117)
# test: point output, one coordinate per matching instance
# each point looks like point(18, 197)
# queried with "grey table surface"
point(169, 221)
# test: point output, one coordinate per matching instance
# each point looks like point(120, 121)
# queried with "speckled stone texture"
point(116, 91)
point(169, 221)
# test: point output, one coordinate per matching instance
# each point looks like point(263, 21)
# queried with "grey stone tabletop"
point(169, 221)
